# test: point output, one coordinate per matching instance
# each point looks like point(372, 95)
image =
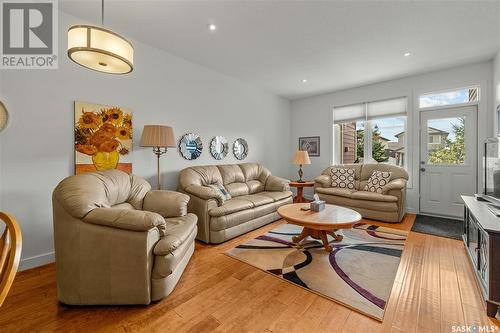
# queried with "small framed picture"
point(311, 144)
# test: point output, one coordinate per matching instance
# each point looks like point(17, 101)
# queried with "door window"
point(446, 143)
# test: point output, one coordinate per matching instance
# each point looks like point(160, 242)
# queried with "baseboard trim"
point(411, 210)
point(35, 261)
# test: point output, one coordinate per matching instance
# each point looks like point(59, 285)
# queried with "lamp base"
point(300, 181)
point(158, 151)
point(301, 173)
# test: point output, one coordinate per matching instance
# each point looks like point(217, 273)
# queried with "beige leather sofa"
point(118, 242)
point(255, 197)
point(388, 206)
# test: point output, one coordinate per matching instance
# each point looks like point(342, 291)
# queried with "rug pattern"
point(358, 273)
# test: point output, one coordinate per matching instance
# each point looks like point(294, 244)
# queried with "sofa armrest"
point(166, 203)
point(395, 184)
point(128, 219)
point(205, 193)
point(323, 181)
point(176, 235)
point(277, 184)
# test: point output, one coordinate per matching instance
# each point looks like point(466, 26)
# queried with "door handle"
point(422, 169)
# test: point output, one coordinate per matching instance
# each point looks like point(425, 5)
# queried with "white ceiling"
point(333, 44)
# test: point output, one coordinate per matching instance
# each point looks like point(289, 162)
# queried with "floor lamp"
point(160, 138)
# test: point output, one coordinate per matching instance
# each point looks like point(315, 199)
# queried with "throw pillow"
point(219, 188)
point(377, 181)
point(343, 178)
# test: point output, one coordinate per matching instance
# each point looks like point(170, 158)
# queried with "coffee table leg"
point(324, 239)
point(336, 237)
point(305, 232)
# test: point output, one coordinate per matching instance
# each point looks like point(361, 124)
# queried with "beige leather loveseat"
point(118, 242)
point(255, 197)
point(388, 206)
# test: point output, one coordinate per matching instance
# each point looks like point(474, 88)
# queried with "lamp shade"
point(100, 49)
point(157, 136)
point(301, 157)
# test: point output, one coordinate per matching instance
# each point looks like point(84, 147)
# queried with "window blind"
point(370, 110)
point(388, 107)
point(349, 113)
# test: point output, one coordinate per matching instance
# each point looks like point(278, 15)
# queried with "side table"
point(299, 198)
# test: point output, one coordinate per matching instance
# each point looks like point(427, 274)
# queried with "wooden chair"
point(10, 253)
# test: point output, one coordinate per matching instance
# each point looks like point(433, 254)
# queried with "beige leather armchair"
point(388, 206)
point(118, 242)
point(255, 198)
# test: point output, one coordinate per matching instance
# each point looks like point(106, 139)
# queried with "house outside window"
point(377, 135)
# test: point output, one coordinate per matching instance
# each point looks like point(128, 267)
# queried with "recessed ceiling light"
point(212, 27)
point(304, 80)
point(407, 54)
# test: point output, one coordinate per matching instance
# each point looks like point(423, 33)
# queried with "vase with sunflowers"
point(104, 135)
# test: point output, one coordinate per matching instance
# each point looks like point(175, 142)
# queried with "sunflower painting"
point(103, 138)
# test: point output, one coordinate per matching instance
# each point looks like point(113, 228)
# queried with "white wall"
point(37, 149)
point(312, 116)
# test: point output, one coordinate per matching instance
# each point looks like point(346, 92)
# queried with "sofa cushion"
point(199, 175)
point(218, 223)
point(82, 193)
point(257, 199)
point(371, 196)
point(377, 181)
point(277, 196)
point(231, 173)
point(343, 178)
point(255, 186)
point(351, 202)
point(254, 171)
point(343, 192)
point(177, 232)
point(231, 206)
point(237, 189)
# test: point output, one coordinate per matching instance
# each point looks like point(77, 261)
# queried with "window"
point(370, 132)
point(448, 141)
point(458, 96)
point(388, 140)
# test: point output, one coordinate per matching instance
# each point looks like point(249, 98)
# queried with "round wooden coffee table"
point(319, 224)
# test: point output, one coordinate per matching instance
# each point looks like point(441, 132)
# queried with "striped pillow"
point(219, 188)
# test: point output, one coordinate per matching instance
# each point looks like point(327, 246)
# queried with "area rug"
point(359, 273)
point(438, 226)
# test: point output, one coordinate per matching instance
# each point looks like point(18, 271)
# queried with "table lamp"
point(160, 138)
point(301, 157)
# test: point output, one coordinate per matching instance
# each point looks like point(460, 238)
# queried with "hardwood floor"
point(434, 289)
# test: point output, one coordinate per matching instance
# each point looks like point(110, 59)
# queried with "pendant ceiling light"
point(100, 49)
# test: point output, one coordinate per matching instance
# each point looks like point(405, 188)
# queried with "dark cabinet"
point(482, 240)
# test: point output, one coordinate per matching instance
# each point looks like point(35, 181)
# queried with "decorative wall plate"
point(4, 117)
point(190, 146)
point(240, 149)
point(219, 147)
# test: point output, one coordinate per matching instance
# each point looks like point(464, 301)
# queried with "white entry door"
point(448, 159)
